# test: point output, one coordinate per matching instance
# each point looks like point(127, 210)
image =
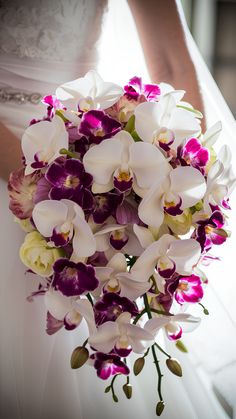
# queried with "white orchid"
point(68, 309)
point(62, 220)
point(115, 278)
point(164, 123)
point(173, 325)
point(166, 256)
point(41, 143)
point(123, 163)
point(87, 93)
point(116, 237)
point(122, 335)
point(181, 189)
point(220, 180)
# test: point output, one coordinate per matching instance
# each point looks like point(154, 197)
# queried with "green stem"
point(85, 343)
point(89, 298)
point(139, 316)
point(205, 311)
point(112, 387)
point(67, 152)
point(156, 362)
point(147, 307)
point(162, 350)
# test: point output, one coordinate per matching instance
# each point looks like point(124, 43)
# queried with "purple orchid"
point(98, 126)
point(73, 279)
point(192, 153)
point(111, 306)
point(105, 205)
point(22, 190)
point(135, 88)
point(189, 289)
point(53, 104)
point(210, 231)
point(70, 181)
point(109, 364)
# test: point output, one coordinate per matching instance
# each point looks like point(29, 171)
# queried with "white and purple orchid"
point(121, 335)
point(114, 278)
point(174, 325)
point(62, 221)
point(164, 124)
point(182, 188)
point(42, 142)
point(87, 93)
point(121, 163)
point(165, 257)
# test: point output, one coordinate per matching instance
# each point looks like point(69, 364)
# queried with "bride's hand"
point(167, 55)
point(10, 152)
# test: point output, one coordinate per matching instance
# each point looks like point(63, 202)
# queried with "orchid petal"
point(57, 304)
point(150, 210)
point(105, 338)
point(102, 160)
point(130, 288)
point(185, 254)
point(147, 163)
point(139, 338)
point(189, 184)
point(48, 214)
point(144, 235)
point(85, 309)
point(118, 263)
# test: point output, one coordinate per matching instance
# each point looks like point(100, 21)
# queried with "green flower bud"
point(79, 357)
point(174, 366)
point(179, 344)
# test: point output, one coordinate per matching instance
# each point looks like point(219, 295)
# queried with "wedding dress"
point(44, 44)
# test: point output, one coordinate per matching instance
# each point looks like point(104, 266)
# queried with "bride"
point(44, 44)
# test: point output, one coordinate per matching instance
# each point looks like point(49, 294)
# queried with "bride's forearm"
point(165, 48)
point(10, 152)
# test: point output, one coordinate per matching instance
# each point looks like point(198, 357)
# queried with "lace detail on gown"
point(54, 30)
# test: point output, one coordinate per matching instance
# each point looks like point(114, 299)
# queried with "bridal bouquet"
point(122, 198)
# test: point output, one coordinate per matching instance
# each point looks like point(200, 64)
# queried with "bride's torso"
point(42, 44)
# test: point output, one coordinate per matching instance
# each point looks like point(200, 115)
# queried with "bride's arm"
point(10, 152)
point(165, 48)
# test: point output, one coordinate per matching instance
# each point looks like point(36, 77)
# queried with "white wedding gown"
point(45, 43)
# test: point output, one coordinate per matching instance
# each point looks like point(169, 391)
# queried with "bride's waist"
point(37, 76)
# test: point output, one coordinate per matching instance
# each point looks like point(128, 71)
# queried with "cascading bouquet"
point(122, 198)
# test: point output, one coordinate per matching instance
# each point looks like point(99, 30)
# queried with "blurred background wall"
point(213, 26)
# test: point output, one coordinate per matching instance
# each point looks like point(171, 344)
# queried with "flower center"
point(71, 272)
point(183, 286)
point(123, 176)
point(113, 285)
point(71, 182)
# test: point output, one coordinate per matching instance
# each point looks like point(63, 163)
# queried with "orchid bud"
point(160, 408)
point(174, 366)
point(115, 398)
point(79, 357)
point(127, 388)
point(179, 344)
point(138, 365)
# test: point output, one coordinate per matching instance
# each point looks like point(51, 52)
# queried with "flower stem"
point(162, 350)
point(156, 362)
point(89, 298)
